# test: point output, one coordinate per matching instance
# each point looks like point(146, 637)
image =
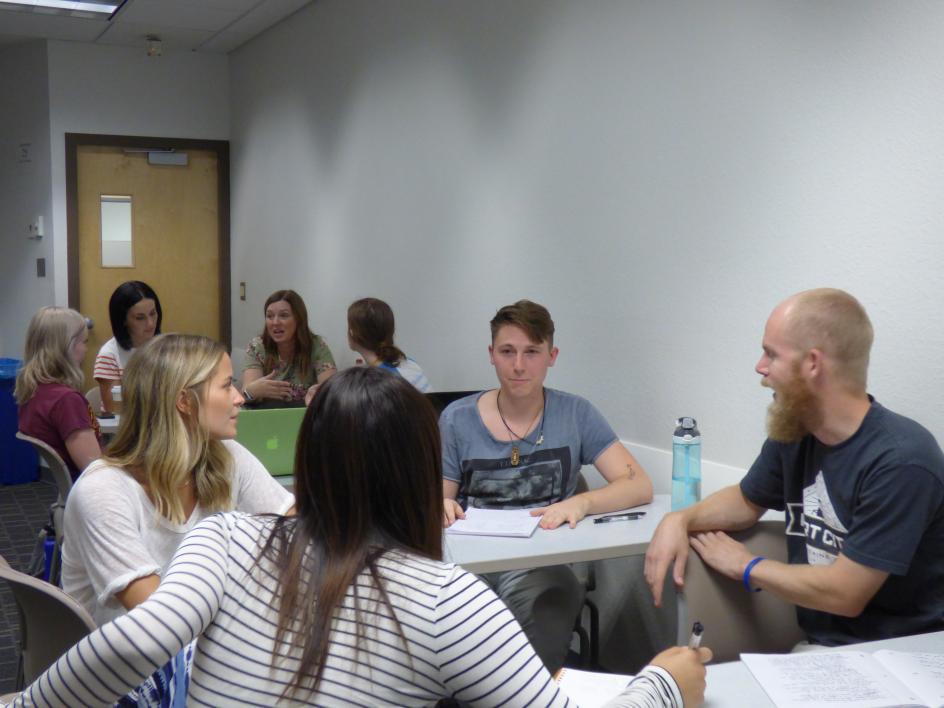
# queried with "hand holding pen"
point(686, 664)
point(695, 640)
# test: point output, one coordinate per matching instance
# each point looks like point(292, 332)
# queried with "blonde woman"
point(48, 388)
point(172, 463)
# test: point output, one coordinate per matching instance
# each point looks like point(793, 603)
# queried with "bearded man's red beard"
point(794, 412)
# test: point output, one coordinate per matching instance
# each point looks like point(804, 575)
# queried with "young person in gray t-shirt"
point(522, 446)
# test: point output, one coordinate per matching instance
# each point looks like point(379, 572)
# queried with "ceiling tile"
point(42, 26)
point(133, 34)
point(177, 13)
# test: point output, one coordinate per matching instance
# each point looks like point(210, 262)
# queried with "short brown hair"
point(533, 319)
point(836, 323)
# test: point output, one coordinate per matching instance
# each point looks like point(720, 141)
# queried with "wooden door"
point(175, 247)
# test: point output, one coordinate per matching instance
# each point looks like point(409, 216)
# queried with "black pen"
point(630, 516)
point(697, 630)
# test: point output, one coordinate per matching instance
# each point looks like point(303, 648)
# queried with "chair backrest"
point(60, 470)
point(94, 397)
point(441, 399)
point(50, 620)
point(736, 620)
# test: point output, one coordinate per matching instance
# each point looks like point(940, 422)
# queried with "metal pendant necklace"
point(515, 449)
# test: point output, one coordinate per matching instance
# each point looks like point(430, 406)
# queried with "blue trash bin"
point(18, 460)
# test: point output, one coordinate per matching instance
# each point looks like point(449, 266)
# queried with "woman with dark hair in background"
point(347, 603)
point(49, 388)
point(287, 359)
point(370, 327)
point(135, 313)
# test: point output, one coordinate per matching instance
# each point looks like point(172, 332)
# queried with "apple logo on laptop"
point(272, 443)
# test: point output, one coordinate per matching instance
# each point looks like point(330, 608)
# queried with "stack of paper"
point(496, 522)
point(850, 679)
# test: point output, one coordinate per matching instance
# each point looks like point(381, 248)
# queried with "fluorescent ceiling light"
point(102, 7)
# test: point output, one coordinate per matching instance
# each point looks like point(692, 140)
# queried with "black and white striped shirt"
point(460, 640)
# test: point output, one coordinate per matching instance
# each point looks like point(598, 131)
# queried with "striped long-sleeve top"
point(458, 638)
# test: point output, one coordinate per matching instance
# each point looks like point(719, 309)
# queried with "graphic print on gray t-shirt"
point(538, 480)
point(574, 434)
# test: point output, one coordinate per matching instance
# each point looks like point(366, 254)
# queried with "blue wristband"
point(747, 574)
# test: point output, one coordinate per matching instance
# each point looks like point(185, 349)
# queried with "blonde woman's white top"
point(114, 535)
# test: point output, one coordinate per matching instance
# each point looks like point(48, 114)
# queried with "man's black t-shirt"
point(877, 498)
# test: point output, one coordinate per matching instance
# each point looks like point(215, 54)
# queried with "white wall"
point(659, 174)
point(122, 91)
point(24, 190)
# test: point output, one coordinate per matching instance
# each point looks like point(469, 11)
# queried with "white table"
point(109, 426)
point(587, 542)
point(732, 684)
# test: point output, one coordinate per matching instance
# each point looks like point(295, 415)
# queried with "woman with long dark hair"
point(347, 603)
point(287, 359)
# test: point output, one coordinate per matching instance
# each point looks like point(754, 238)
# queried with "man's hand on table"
point(669, 545)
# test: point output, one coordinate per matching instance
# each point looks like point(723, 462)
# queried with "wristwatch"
point(247, 395)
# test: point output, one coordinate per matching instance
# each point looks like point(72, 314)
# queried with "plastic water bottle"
point(686, 464)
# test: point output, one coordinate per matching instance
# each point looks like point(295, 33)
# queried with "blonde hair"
point(157, 443)
point(49, 339)
point(836, 323)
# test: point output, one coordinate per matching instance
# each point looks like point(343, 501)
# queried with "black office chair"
point(589, 639)
point(441, 399)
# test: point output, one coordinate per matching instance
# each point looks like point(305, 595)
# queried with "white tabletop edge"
point(587, 542)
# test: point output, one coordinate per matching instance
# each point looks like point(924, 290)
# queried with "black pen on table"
point(695, 640)
point(628, 516)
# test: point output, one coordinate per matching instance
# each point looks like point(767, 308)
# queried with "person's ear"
point(554, 353)
point(491, 355)
point(814, 363)
point(184, 402)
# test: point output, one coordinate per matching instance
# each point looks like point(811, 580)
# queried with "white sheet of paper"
point(591, 689)
point(922, 673)
point(496, 522)
point(820, 679)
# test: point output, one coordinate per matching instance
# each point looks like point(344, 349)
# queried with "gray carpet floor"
point(24, 510)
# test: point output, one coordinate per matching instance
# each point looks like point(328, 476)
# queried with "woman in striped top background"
point(347, 603)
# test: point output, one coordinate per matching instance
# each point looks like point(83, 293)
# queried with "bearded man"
point(862, 488)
